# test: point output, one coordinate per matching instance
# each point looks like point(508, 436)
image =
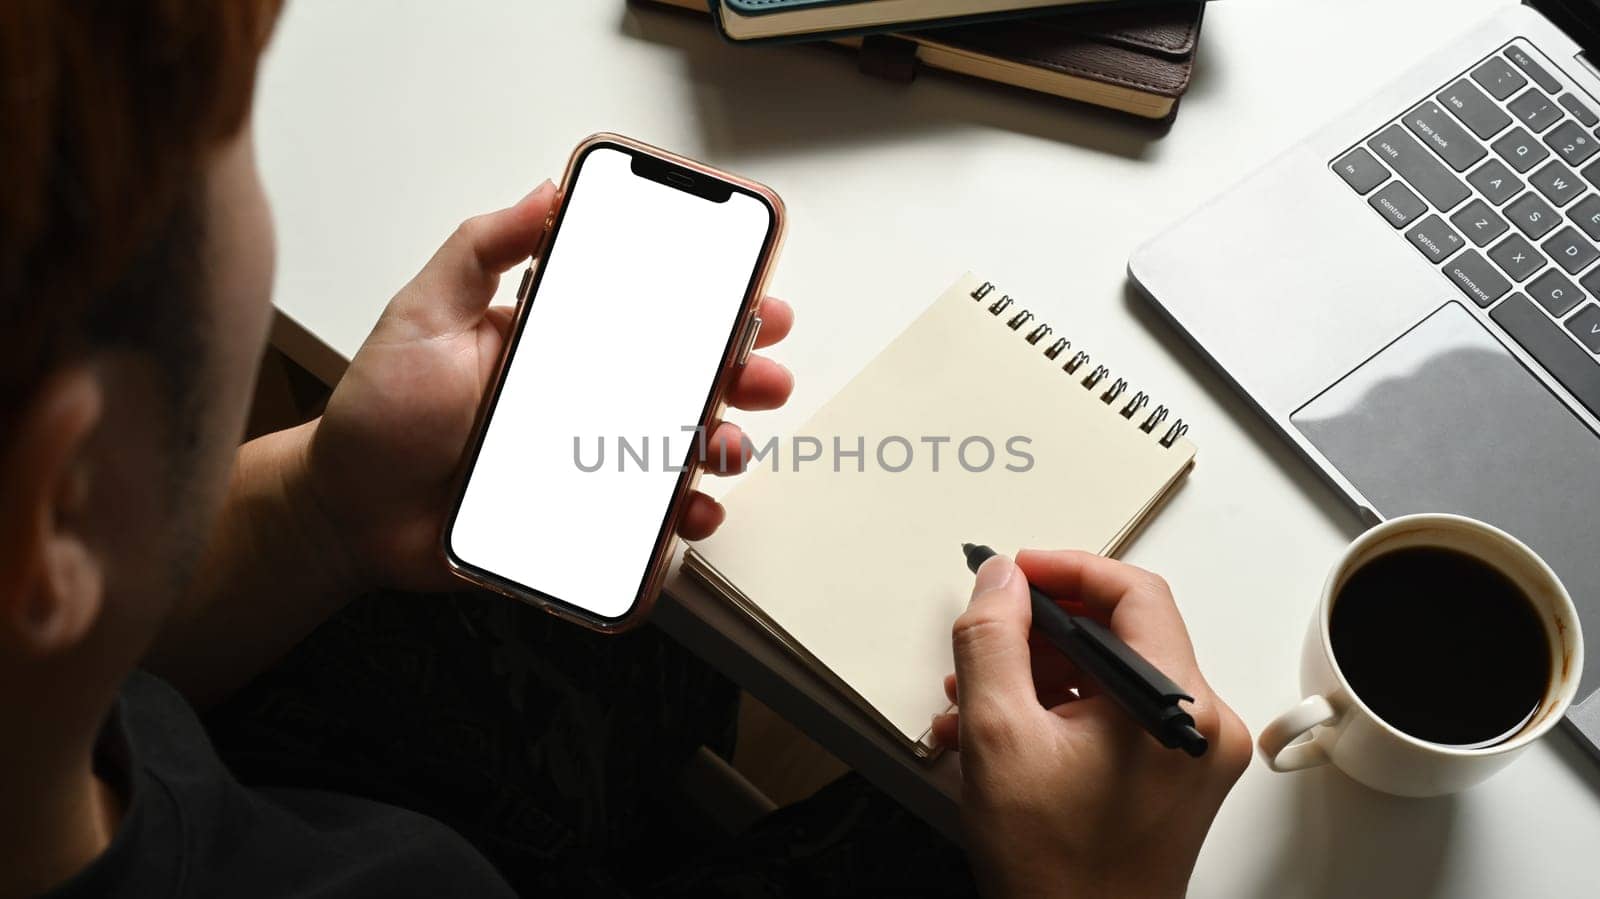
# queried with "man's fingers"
point(990, 640)
point(777, 317)
point(946, 731)
point(1138, 604)
point(495, 241)
point(762, 384)
point(1053, 672)
point(492, 340)
point(453, 289)
point(1140, 609)
point(702, 518)
point(1056, 680)
point(725, 450)
point(501, 317)
point(1076, 576)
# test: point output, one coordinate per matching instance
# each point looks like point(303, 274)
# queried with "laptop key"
point(1360, 170)
point(1498, 78)
point(1435, 239)
point(1579, 111)
point(1399, 205)
point(1542, 338)
point(1592, 172)
point(1474, 109)
point(1534, 109)
point(1440, 133)
point(1476, 277)
point(1557, 182)
point(1495, 181)
point(1572, 143)
point(1570, 250)
point(1586, 215)
point(1591, 283)
point(1420, 168)
point(1532, 216)
point(1585, 326)
point(1480, 223)
point(1534, 70)
point(1520, 149)
point(1516, 257)
point(1555, 293)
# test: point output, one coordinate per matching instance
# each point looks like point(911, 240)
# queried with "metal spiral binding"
point(1079, 359)
point(1155, 419)
point(1114, 391)
point(1139, 401)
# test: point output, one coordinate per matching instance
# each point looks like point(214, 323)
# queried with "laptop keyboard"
point(1495, 180)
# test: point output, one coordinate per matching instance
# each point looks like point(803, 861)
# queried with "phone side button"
point(522, 289)
point(749, 341)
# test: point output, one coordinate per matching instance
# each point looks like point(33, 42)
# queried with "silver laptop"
point(1412, 295)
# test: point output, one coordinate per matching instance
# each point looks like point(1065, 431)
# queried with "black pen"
point(1147, 695)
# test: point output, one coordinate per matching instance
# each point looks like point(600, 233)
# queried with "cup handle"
point(1290, 726)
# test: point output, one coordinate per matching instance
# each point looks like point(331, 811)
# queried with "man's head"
point(135, 273)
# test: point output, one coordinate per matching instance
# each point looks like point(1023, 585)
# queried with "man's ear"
point(51, 580)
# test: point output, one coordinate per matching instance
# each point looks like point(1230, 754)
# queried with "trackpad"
point(1445, 419)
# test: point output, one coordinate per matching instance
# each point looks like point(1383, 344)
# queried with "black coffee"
point(1441, 645)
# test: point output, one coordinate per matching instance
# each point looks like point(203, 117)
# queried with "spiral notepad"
point(978, 423)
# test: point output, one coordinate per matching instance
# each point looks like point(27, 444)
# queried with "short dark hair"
point(110, 110)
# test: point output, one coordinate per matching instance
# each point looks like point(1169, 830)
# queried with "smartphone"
point(629, 330)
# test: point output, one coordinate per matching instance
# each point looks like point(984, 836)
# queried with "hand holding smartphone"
point(628, 336)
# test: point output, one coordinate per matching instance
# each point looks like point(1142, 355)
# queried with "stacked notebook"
point(852, 563)
point(1137, 58)
point(744, 20)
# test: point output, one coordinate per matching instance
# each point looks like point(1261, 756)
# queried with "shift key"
point(1419, 168)
point(1435, 128)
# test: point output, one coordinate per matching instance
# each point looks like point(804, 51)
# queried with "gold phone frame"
point(741, 338)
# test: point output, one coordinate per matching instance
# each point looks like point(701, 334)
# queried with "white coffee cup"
point(1339, 729)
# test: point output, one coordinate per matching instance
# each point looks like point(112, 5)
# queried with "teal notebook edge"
point(767, 7)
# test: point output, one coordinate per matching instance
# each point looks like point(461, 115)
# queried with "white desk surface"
point(382, 124)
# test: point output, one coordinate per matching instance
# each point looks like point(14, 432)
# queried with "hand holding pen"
point(1063, 790)
point(1111, 667)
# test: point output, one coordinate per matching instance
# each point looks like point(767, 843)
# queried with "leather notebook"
point(1135, 59)
point(756, 20)
point(978, 423)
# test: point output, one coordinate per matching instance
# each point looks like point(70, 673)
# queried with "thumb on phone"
point(452, 291)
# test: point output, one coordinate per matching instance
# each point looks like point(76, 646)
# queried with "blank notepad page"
point(854, 557)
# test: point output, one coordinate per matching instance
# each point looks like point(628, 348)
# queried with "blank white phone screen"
point(624, 339)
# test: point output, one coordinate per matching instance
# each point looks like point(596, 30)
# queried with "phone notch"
point(678, 177)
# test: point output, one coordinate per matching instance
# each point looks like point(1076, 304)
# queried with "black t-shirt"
point(190, 829)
